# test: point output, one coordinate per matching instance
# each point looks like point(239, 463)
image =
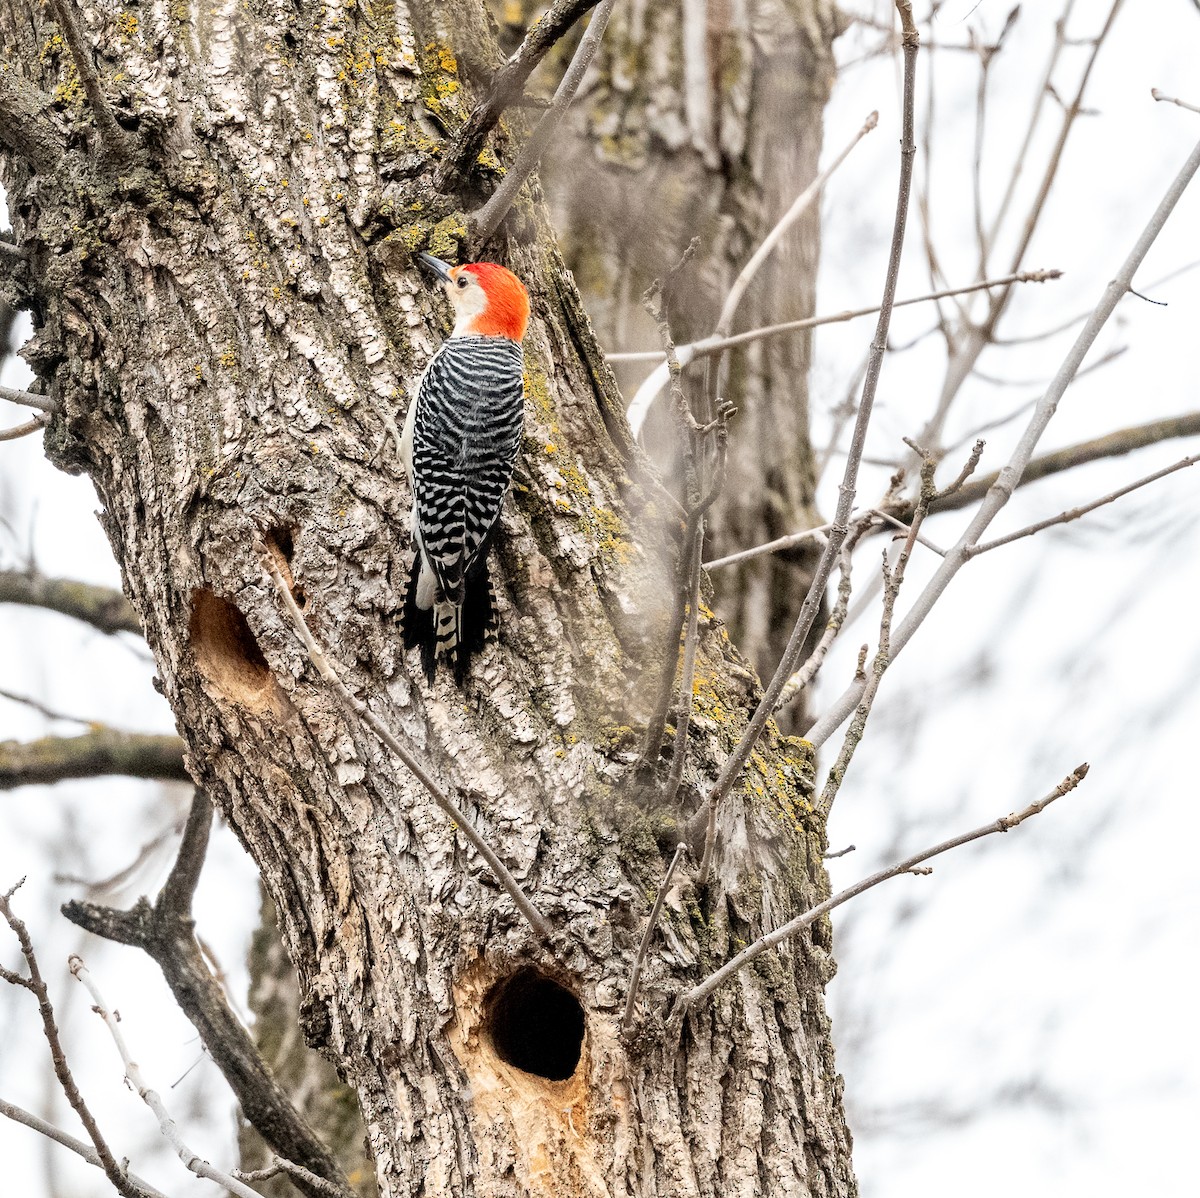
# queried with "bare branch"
point(1111, 445)
point(19, 1115)
point(166, 933)
point(804, 676)
point(98, 753)
point(838, 533)
point(37, 985)
point(649, 390)
point(793, 927)
point(1165, 99)
point(800, 206)
point(1075, 512)
point(487, 220)
point(28, 400)
point(101, 607)
point(300, 1175)
point(776, 546)
point(536, 920)
point(635, 975)
point(1006, 481)
point(892, 581)
point(714, 344)
point(24, 430)
point(133, 1075)
point(506, 88)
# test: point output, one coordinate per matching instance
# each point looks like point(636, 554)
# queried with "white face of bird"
point(468, 298)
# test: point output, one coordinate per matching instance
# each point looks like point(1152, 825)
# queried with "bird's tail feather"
point(456, 632)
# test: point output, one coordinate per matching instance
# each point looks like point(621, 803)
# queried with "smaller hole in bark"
point(536, 1025)
point(227, 653)
point(280, 542)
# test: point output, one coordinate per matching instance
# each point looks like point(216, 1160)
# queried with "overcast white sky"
point(1022, 1020)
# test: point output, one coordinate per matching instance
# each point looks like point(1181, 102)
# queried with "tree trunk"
point(706, 120)
point(221, 221)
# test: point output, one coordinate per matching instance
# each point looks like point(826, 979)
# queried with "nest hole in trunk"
point(536, 1025)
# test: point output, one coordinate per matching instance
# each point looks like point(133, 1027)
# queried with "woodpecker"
point(458, 448)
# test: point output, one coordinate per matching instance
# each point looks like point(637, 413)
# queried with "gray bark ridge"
point(228, 310)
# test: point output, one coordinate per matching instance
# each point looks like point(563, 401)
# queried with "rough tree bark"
point(220, 203)
point(706, 120)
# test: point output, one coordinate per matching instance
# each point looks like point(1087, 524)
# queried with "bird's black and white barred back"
point(464, 433)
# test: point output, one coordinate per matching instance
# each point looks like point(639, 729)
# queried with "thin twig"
point(1075, 512)
point(20, 1115)
point(892, 580)
point(635, 974)
point(800, 206)
point(979, 336)
point(788, 930)
point(28, 400)
point(837, 535)
point(42, 710)
point(23, 430)
point(1111, 445)
point(540, 924)
point(776, 546)
point(1001, 489)
point(803, 677)
point(37, 986)
point(165, 931)
point(486, 220)
point(711, 345)
point(1165, 99)
point(649, 390)
point(298, 1172)
point(133, 1074)
point(506, 87)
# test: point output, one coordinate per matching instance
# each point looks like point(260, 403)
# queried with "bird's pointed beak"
point(436, 265)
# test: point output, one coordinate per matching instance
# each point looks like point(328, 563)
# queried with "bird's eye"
point(461, 281)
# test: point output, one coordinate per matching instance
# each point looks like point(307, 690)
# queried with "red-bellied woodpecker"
point(458, 448)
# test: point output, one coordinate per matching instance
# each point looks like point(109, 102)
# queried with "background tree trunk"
point(226, 307)
point(706, 120)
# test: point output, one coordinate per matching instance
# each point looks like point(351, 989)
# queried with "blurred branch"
point(316, 655)
point(506, 88)
point(41, 708)
point(36, 985)
point(165, 931)
point(1075, 512)
point(1111, 445)
point(487, 220)
point(101, 607)
point(19, 1115)
point(94, 754)
point(707, 815)
point(908, 865)
point(1006, 482)
point(133, 1075)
